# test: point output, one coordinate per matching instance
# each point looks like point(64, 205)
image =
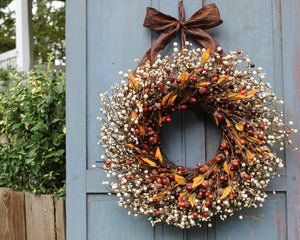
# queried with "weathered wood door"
point(105, 36)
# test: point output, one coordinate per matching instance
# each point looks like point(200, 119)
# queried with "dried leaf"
point(133, 82)
point(239, 127)
point(165, 98)
point(146, 160)
point(235, 96)
point(160, 196)
point(182, 196)
point(252, 92)
point(217, 121)
point(142, 129)
point(159, 117)
point(211, 160)
point(204, 57)
point(158, 155)
point(180, 180)
point(197, 181)
point(253, 139)
point(183, 75)
point(237, 138)
point(203, 84)
point(134, 115)
point(226, 192)
point(139, 160)
point(171, 100)
point(221, 79)
point(249, 156)
point(226, 152)
point(132, 146)
point(213, 168)
point(227, 168)
point(192, 199)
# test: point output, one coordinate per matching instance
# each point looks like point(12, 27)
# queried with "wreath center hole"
point(191, 138)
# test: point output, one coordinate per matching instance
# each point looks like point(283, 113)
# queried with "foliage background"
point(48, 29)
point(32, 133)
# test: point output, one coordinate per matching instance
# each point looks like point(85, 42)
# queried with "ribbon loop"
point(205, 18)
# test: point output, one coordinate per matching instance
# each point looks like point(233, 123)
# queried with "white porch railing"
point(8, 58)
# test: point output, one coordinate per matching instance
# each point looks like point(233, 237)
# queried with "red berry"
point(261, 126)
point(183, 107)
point(235, 164)
point(238, 51)
point(202, 169)
point(243, 92)
point(144, 77)
point(149, 129)
point(203, 185)
point(207, 203)
point(205, 214)
point(188, 187)
point(147, 90)
point(244, 124)
point(204, 90)
point(215, 79)
point(247, 176)
point(220, 118)
point(260, 137)
point(181, 168)
point(182, 204)
point(171, 79)
point(145, 110)
point(195, 214)
point(219, 159)
point(161, 86)
point(157, 212)
point(151, 139)
point(167, 120)
point(172, 177)
point(250, 132)
point(108, 162)
point(193, 100)
point(137, 132)
point(195, 78)
point(158, 180)
point(200, 70)
point(128, 177)
point(165, 181)
point(152, 154)
point(243, 87)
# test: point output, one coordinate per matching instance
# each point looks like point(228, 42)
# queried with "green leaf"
point(60, 152)
point(39, 127)
point(58, 89)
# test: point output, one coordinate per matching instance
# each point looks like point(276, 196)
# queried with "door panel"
point(112, 37)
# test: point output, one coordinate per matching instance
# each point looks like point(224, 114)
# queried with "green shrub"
point(32, 137)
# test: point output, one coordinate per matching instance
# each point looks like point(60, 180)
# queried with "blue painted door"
point(105, 36)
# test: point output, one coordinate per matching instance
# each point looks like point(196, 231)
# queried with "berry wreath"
point(229, 89)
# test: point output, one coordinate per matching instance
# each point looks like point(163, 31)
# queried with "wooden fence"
point(24, 216)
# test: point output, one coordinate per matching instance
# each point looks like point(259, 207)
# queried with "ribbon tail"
point(162, 41)
point(205, 39)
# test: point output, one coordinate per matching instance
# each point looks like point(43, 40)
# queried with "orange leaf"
point(253, 139)
point(203, 84)
point(249, 156)
point(139, 160)
point(165, 98)
point(213, 168)
point(252, 92)
point(211, 160)
point(159, 118)
point(197, 181)
point(134, 115)
point(204, 57)
point(235, 96)
point(133, 82)
point(158, 155)
point(181, 196)
point(226, 192)
point(183, 75)
point(160, 196)
point(217, 121)
point(132, 146)
point(153, 164)
point(221, 79)
point(171, 100)
point(227, 168)
point(192, 199)
point(180, 180)
point(142, 129)
point(239, 127)
point(226, 152)
point(237, 137)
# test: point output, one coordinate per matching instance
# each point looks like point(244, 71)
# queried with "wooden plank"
point(12, 219)
point(107, 221)
point(291, 80)
point(40, 223)
point(76, 16)
point(60, 219)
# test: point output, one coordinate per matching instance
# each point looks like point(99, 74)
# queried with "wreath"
point(229, 89)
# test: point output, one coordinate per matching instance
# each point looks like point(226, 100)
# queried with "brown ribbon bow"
point(205, 18)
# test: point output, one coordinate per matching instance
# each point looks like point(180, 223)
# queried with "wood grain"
point(60, 216)
point(40, 221)
point(12, 219)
